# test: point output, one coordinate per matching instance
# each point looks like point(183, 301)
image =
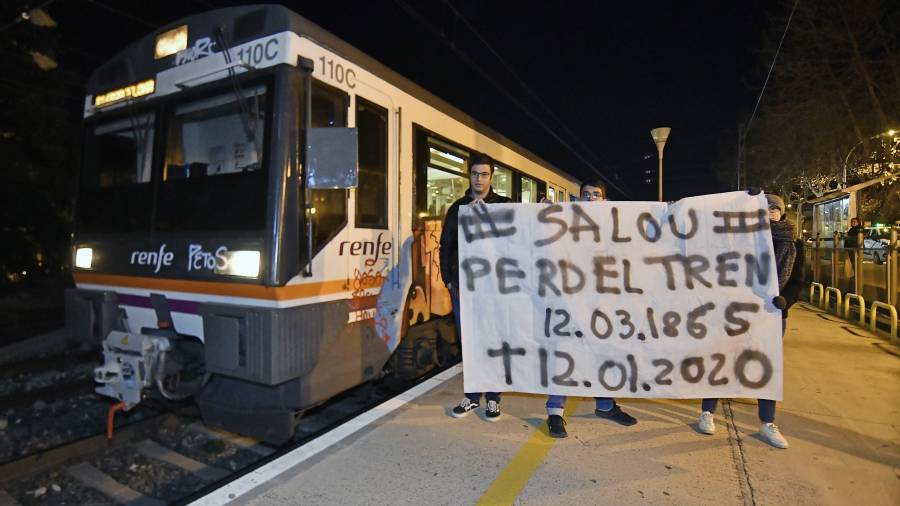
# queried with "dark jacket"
point(791, 290)
point(449, 235)
point(851, 240)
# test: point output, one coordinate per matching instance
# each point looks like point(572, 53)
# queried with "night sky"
point(600, 74)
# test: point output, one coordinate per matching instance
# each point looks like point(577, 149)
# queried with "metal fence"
point(870, 275)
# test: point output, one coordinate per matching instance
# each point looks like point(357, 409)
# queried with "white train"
point(214, 266)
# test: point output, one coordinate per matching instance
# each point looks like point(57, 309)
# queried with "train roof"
point(246, 23)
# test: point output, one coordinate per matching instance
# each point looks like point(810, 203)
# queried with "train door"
point(374, 250)
point(371, 248)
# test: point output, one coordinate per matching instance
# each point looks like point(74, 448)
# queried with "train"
point(258, 215)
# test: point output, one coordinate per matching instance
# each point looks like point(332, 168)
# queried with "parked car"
point(876, 246)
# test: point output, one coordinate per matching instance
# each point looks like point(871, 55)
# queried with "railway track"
point(153, 462)
point(164, 459)
point(37, 365)
point(47, 379)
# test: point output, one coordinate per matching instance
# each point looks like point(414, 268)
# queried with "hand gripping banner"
point(621, 299)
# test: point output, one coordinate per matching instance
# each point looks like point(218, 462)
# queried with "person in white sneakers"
point(789, 262)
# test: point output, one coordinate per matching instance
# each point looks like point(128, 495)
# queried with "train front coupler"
point(131, 364)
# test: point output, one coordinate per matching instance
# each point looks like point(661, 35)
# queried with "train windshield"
point(116, 184)
point(213, 175)
point(209, 176)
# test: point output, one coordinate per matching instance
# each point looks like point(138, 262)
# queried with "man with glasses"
point(481, 171)
point(605, 407)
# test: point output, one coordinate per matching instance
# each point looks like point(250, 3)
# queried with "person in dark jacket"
point(790, 269)
point(851, 240)
point(605, 407)
point(481, 171)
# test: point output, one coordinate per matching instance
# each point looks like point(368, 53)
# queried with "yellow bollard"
point(862, 307)
point(821, 289)
point(837, 300)
point(874, 317)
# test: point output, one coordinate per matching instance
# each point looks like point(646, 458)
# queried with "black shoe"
point(617, 415)
point(556, 426)
point(464, 408)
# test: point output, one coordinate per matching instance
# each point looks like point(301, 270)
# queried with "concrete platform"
point(841, 415)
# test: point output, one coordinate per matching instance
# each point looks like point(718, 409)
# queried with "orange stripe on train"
point(217, 288)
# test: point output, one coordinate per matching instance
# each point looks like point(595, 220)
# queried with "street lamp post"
point(659, 137)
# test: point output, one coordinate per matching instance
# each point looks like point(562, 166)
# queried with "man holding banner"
point(621, 299)
point(605, 407)
point(481, 172)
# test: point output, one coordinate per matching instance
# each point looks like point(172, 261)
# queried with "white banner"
point(621, 299)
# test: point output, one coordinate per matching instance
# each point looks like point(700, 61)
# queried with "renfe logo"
point(155, 258)
point(367, 248)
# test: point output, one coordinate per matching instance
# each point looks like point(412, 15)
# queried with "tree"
point(834, 90)
point(38, 146)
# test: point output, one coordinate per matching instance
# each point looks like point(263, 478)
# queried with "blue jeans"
point(473, 396)
point(556, 403)
point(766, 409)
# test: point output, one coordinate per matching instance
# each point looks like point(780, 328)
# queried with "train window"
point(561, 195)
point(123, 151)
point(116, 194)
point(329, 109)
point(446, 176)
point(214, 158)
point(551, 194)
point(529, 190)
point(216, 136)
point(446, 156)
point(372, 192)
point(502, 182)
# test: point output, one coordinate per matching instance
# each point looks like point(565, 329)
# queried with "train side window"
point(372, 192)
point(502, 182)
point(446, 179)
point(529, 190)
point(329, 109)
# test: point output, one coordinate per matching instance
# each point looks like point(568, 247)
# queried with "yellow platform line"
point(513, 478)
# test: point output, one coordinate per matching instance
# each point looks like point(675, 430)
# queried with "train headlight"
point(84, 257)
point(169, 43)
point(242, 263)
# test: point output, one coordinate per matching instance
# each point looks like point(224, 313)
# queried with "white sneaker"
point(772, 435)
point(706, 424)
point(492, 412)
